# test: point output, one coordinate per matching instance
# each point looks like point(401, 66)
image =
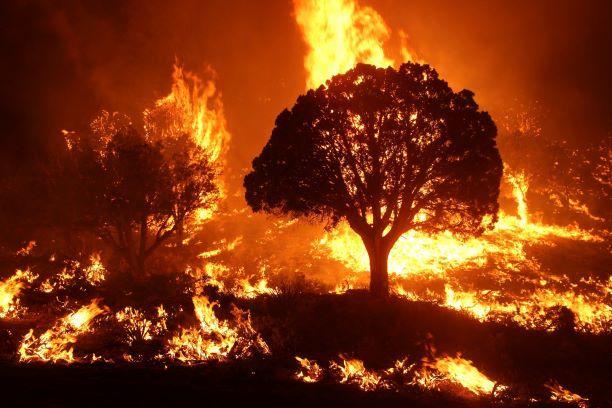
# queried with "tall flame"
point(340, 34)
point(193, 107)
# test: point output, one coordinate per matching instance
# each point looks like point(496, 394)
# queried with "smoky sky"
point(63, 61)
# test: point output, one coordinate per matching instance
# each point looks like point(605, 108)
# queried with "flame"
point(309, 371)
point(226, 281)
point(193, 107)
point(92, 274)
point(56, 344)
point(561, 394)
point(592, 311)
point(138, 327)
point(461, 371)
point(248, 290)
point(353, 371)
point(216, 339)
point(430, 374)
point(95, 272)
point(435, 256)
point(27, 250)
point(10, 288)
point(340, 34)
point(520, 186)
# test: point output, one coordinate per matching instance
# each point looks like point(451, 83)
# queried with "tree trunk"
point(140, 267)
point(379, 276)
point(180, 232)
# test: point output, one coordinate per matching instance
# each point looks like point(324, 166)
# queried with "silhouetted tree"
point(388, 151)
point(133, 193)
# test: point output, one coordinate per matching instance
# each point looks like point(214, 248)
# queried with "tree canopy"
point(386, 150)
point(133, 192)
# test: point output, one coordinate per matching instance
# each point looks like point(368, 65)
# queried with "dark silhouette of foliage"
point(132, 192)
point(566, 182)
point(386, 150)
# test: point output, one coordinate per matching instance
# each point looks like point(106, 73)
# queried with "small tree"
point(132, 192)
point(566, 182)
point(388, 151)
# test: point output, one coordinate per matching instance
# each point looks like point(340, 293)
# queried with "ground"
point(321, 327)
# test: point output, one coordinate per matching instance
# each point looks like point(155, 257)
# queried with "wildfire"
point(340, 34)
point(309, 370)
point(193, 107)
point(92, 274)
point(435, 257)
point(456, 370)
point(353, 371)
point(138, 327)
point(95, 271)
point(10, 289)
point(429, 374)
point(216, 339)
point(561, 394)
point(56, 344)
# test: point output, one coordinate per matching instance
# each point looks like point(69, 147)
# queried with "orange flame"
point(430, 374)
point(340, 34)
point(10, 289)
point(561, 394)
point(309, 370)
point(56, 344)
point(193, 107)
point(216, 339)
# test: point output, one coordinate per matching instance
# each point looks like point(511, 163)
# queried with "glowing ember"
point(27, 250)
point(216, 339)
point(56, 344)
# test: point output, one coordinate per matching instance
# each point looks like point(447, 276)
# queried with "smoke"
point(65, 61)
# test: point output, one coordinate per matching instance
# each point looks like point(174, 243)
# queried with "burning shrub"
point(56, 344)
point(135, 193)
point(216, 339)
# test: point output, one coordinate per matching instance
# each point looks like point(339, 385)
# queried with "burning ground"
point(203, 296)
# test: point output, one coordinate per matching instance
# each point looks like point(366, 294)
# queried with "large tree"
point(386, 150)
point(133, 192)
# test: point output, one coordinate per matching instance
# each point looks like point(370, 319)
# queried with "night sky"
point(63, 61)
